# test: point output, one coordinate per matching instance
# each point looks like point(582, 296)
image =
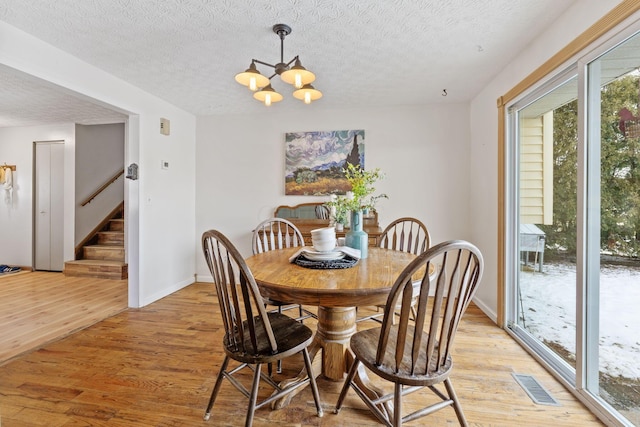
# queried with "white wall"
point(160, 206)
point(422, 150)
point(16, 219)
point(99, 155)
point(484, 136)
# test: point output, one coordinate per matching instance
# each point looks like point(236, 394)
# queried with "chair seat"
point(291, 337)
point(364, 345)
point(276, 303)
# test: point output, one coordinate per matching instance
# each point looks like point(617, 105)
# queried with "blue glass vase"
point(356, 238)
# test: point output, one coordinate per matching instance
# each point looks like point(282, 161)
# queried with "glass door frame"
point(512, 243)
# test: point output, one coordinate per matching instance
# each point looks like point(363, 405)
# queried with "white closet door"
point(49, 206)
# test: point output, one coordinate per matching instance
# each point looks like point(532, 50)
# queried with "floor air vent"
point(534, 389)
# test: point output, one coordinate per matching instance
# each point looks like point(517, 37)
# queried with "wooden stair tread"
point(97, 262)
point(111, 237)
point(117, 225)
point(99, 268)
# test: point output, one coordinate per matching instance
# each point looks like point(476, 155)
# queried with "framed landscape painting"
point(314, 161)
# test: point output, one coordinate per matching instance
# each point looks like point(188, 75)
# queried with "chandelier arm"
point(264, 63)
point(290, 62)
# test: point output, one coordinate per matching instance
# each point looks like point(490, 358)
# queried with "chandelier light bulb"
point(298, 81)
point(253, 85)
point(307, 97)
point(267, 100)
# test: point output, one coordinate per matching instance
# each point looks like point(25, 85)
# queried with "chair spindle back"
point(322, 212)
point(241, 305)
point(423, 346)
point(275, 233)
point(406, 235)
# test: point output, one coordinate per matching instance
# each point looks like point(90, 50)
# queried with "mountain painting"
point(314, 161)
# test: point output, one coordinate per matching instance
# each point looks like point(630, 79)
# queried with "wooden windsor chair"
point(322, 212)
point(278, 233)
point(407, 235)
point(417, 354)
point(253, 336)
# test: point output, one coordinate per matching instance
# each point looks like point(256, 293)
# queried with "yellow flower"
point(362, 186)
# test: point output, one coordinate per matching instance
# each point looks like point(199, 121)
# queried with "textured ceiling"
point(364, 52)
point(27, 101)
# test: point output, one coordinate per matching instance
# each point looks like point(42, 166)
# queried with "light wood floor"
point(156, 366)
point(38, 307)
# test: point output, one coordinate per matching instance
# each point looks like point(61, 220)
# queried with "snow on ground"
point(548, 303)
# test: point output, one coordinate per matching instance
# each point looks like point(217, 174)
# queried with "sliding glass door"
point(546, 156)
point(545, 135)
point(574, 219)
point(612, 279)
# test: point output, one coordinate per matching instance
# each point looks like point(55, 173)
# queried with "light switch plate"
point(165, 125)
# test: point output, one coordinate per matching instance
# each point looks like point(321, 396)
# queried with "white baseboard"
point(486, 310)
point(167, 291)
point(203, 278)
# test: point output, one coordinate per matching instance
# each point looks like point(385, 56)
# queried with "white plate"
point(323, 256)
point(331, 249)
point(313, 250)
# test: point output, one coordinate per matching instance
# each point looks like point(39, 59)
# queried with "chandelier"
point(297, 75)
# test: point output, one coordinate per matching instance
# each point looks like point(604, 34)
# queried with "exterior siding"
point(536, 178)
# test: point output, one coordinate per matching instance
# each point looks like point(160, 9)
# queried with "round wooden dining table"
point(336, 293)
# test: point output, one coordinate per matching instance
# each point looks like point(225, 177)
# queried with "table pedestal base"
point(336, 325)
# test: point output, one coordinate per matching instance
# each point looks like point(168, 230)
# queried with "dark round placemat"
point(345, 262)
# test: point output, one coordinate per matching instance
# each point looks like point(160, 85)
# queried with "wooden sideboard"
point(304, 217)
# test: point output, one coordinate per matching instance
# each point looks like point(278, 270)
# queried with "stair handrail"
point(102, 187)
